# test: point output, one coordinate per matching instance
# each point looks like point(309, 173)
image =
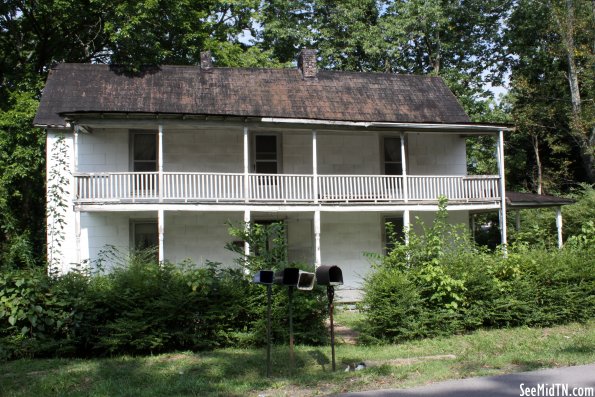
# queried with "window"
point(392, 227)
point(144, 234)
point(266, 154)
point(144, 151)
point(393, 161)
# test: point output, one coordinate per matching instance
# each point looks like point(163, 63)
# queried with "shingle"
point(350, 96)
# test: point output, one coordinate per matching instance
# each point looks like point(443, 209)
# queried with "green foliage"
point(57, 204)
point(22, 171)
point(268, 251)
point(142, 306)
point(435, 293)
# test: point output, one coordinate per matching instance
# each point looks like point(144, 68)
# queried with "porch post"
point(404, 171)
point(77, 234)
point(559, 225)
point(500, 154)
point(315, 166)
point(246, 228)
point(75, 150)
point(406, 223)
point(246, 169)
point(473, 226)
point(160, 230)
point(517, 220)
point(317, 257)
point(160, 162)
point(77, 214)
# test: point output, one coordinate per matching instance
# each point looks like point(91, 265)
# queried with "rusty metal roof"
point(247, 92)
point(531, 200)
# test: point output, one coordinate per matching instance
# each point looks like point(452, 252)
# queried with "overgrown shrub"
point(441, 284)
point(142, 307)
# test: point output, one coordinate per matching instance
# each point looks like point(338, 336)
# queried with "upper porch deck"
point(205, 187)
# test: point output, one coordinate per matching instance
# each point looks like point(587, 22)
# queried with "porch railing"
point(231, 187)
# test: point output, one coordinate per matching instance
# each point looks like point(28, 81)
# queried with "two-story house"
point(170, 156)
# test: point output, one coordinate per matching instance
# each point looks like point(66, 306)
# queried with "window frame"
point(133, 134)
point(383, 163)
point(279, 154)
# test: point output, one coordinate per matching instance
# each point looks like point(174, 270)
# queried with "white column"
point(246, 167)
point(559, 225)
point(160, 230)
point(406, 225)
point(404, 166)
point(160, 161)
point(77, 214)
point(500, 155)
point(317, 256)
point(76, 150)
point(473, 226)
point(247, 228)
point(77, 234)
point(315, 165)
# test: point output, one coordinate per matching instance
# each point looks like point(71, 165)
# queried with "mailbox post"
point(330, 276)
point(265, 277)
point(293, 277)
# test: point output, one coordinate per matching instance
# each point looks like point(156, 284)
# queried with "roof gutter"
point(419, 127)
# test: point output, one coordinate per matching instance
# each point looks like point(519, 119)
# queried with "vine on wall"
point(57, 205)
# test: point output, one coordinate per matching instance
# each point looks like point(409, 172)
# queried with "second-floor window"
point(266, 154)
point(393, 161)
point(144, 151)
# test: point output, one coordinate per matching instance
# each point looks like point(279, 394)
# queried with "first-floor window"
point(145, 234)
point(393, 232)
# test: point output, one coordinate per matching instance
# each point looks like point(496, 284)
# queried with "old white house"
point(171, 156)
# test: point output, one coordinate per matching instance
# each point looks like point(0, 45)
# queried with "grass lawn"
point(238, 372)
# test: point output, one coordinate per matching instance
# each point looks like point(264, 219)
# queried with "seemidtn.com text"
point(555, 390)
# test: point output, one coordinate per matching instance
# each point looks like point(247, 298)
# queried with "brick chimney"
point(206, 60)
point(307, 63)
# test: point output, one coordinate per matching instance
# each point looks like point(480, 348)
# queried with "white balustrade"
point(197, 186)
point(117, 185)
point(360, 187)
point(281, 187)
point(203, 186)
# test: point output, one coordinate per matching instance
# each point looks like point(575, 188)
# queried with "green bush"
point(142, 307)
point(441, 284)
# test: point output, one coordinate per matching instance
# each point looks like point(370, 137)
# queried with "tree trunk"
point(584, 136)
point(535, 144)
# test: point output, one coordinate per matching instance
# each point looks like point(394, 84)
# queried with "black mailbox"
point(294, 277)
point(264, 277)
point(329, 275)
point(288, 276)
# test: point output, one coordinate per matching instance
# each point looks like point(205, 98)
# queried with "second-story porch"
point(270, 162)
point(205, 187)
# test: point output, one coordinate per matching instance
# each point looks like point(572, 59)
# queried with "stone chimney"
point(206, 60)
point(307, 63)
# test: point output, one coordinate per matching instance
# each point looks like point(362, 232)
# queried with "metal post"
point(291, 352)
point(269, 293)
point(330, 293)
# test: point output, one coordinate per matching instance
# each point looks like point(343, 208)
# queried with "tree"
point(555, 126)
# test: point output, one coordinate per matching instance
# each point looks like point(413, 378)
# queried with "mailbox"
point(263, 277)
point(329, 275)
point(306, 281)
point(294, 277)
point(288, 276)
